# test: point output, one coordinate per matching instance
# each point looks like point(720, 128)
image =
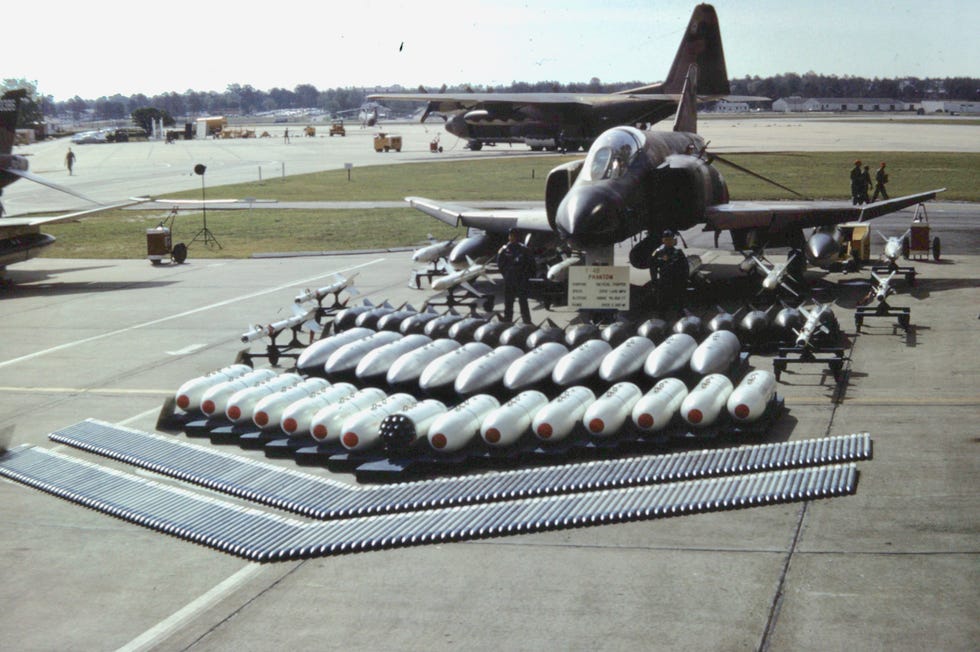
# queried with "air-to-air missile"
point(516, 335)
point(346, 358)
point(363, 429)
point(578, 334)
point(548, 331)
point(434, 251)
point(484, 373)
point(369, 319)
point(490, 332)
point(189, 395)
point(347, 317)
point(657, 408)
point(459, 426)
point(393, 320)
point(893, 246)
point(882, 287)
point(506, 424)
point(408, 367)
point(464, 329)
point(705, 402)
point(215, 399)
point(315, 355)
point(689, 324)
point(325, 424)
point(626, 359)
point(559, 271)
point(722, 321)
point(820, 319)
point(439, 327)
point(402, 429)
point(716, 353)
point(297, 418)
point(441, 373)
point(787, 321)
point(671, 356)
point(241, 404)
point(268, 412)
point(618, 332)
point(340, 284)
point(654, 329)
point(580, 364)
point(376, 363)
point(416, 323)
point(774, 274)
point(304, 316)
point(610, 411)
point(534, 366)
point(463, 277)
point(753, 327)
point(557, 419)
point(749, 400)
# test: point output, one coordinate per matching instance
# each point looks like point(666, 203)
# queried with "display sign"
point(599, 288)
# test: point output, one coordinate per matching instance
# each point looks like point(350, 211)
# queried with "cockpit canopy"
point(611, 153)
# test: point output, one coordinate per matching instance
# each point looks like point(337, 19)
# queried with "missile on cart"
point(409, 366)
point(485, 372)
point(787, 321)
point(819, 320)
point(315, 355)
point(296, 418)
point(304, 316)
point(189, 395)
point(346, 357)
point(460, 425)
point(557, 419)
point(670, 356)
point(241, 404)
point(656, 408)
point(705, 402)
point(559, 271)
point(883, 286)
point(340, 284)
point(377, 362)
point(432, 253)
point(442, 372)
point(269, 410)
point(215, 399)
point(611, 410)
point(534, 366)
point(326, 423)
point(626, 359)
point(363, 430)
point(716, 353)
point(749, 400)
point(400, 430)
point(580, 364)
point(508, 423)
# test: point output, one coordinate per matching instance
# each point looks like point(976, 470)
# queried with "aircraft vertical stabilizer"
point(9, 106)
point(701, 46)
point(687, 111)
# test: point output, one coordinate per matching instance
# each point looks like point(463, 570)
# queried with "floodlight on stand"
point(205, 233)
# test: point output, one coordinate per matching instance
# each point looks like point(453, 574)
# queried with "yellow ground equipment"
point(337, 128)
point(385, 142)
point(856, 243)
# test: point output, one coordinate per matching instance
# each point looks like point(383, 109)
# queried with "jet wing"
point(447, 102)
point(24, 174)
point(7, 223)
point(779, 215)
point(491, 220)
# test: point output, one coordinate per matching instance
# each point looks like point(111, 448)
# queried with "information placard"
point(599, 288)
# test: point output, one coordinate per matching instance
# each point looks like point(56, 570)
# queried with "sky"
point(103, 47)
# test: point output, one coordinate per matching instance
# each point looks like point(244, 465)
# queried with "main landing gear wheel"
point(179, 253)
point(936, 249)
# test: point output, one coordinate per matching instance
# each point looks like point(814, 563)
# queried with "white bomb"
point(409, 366)
point(363, 429)
point(626, 359)
point(346, 357)
point(656, 408)
point(215, 400)
point(557, 419)
point(486, 371)
point(377, 362)
point(189, 394)
point(241, 404)
point(296, 418)
point(506, 424)
point(581, 363)
point(459, 426)
point(315, 355)
point(749, 400)
point(534, 366)
point(443, 370)
point(670, 356)
point(326, 423)
point(702, 406)
point(268, 411)
point(611, 410)
point(716, 353)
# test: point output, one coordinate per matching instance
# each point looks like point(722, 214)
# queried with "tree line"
point(244, 99)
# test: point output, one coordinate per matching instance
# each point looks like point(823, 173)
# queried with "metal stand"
point(806, 355)
point(204, 234)
point(903, 315)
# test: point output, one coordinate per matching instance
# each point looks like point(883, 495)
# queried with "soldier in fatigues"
point(516, 264)
point(669, 272)
point(881, 178)
point(856, 181)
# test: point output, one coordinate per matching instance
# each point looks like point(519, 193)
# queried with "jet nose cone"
point(590, 215)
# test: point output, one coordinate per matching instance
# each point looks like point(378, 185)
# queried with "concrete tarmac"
point(893, 567)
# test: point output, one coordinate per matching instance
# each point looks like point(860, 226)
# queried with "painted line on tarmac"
point(885, 401)
point(154, 322)
point(84, 390)
point(187, 350)
point(151, 637)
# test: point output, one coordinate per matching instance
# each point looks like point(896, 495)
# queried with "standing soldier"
point(516, 264)
point(881, 178)
point(70, 161)
point(856, 183)
point(865, 185)
point(669, 272)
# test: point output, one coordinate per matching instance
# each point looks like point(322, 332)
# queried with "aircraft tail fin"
point(687, 111)
point(9, 108)
point(701, 46)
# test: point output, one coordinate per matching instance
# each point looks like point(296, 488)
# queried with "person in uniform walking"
point(856, 183)
point(865, 185)
point(668, 272)
point(516, 264)
point(70, 161)
point(881, 178)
